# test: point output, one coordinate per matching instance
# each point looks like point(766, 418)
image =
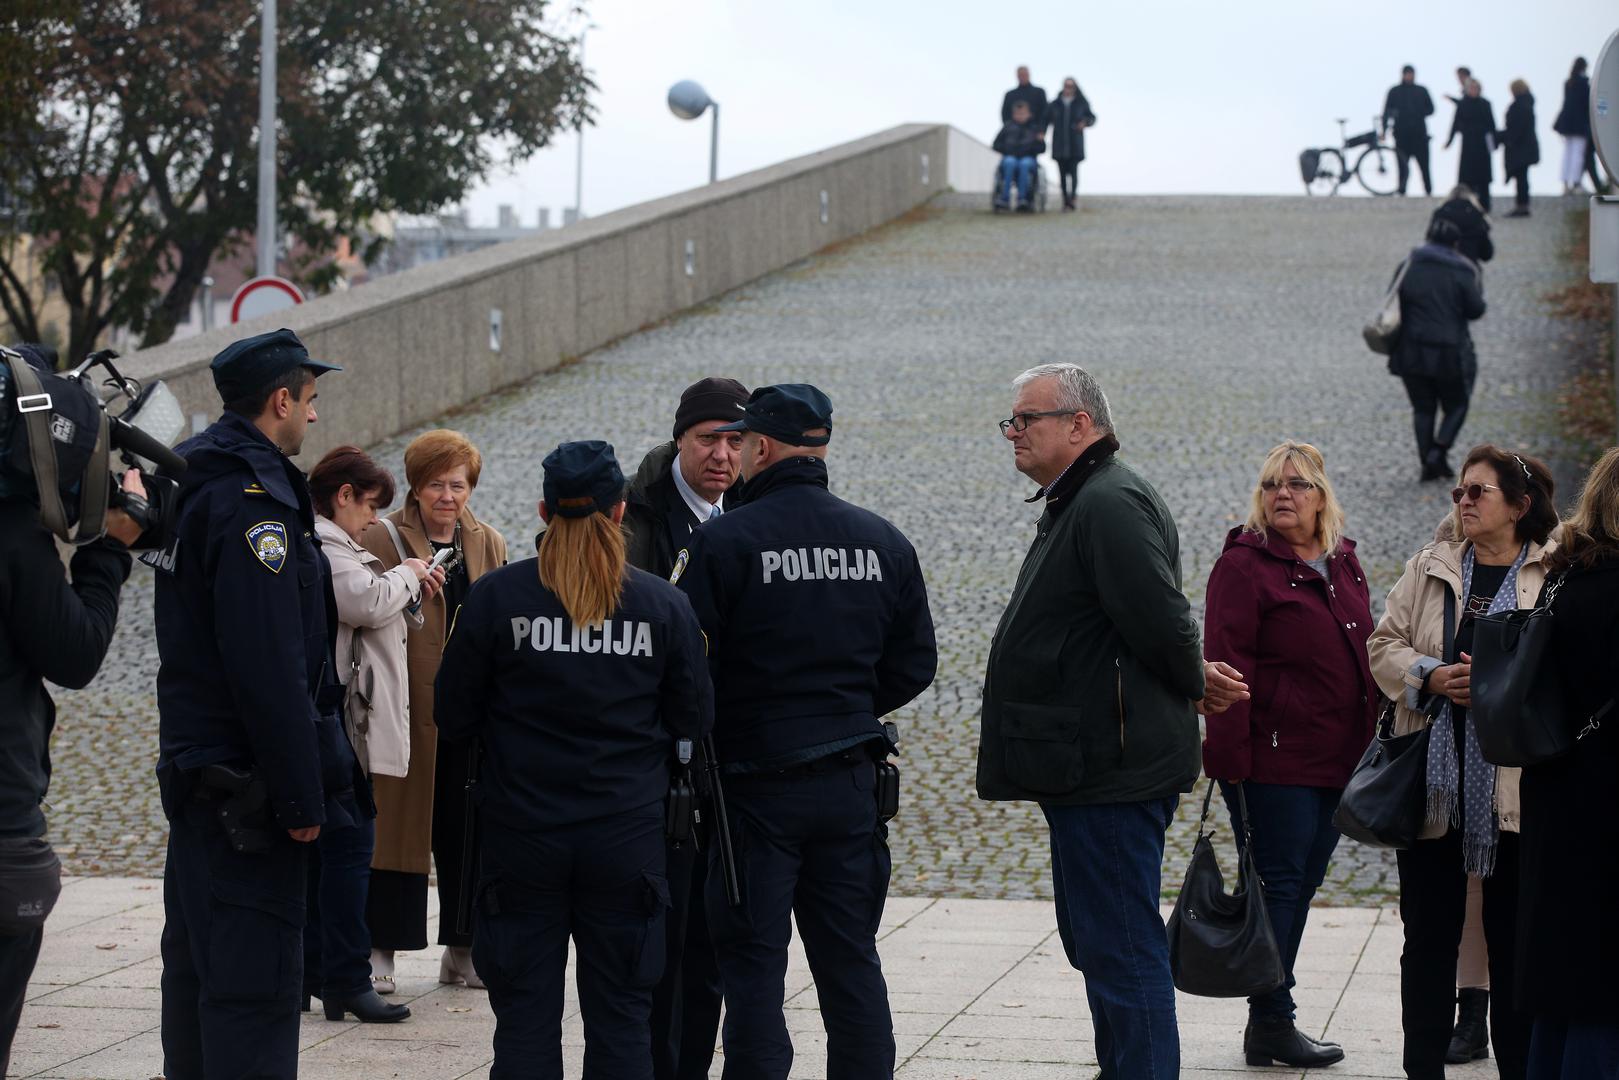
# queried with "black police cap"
point(582, 478)
point(784, 412)
point(254, 362)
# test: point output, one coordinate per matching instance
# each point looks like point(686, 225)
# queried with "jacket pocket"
point(1041, 743)
point(255, 950)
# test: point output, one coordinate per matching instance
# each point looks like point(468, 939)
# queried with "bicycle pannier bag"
point(1309, 165)
point(1518, 703)
point(1220, 944)
point(1384, 328)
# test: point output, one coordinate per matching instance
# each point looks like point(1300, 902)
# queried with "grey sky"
point(1190, 96)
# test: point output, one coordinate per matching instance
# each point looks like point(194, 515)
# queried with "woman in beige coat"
point(423, 814)
point(1489, 559)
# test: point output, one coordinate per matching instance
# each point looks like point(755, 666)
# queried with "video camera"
point(57, 436)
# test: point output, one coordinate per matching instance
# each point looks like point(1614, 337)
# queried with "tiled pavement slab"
point(979, 988)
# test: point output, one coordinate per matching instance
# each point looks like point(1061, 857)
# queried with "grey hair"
point(1077, 389)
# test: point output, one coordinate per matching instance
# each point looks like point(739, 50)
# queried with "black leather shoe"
point(1267, 1042)
point(366, 1006)
point(1471, 1040)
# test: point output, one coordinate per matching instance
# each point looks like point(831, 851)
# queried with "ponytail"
point(582, 562)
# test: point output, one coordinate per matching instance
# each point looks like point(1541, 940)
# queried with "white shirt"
point(701, 507)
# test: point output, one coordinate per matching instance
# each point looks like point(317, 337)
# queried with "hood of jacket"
point(1440, 253)
point(654, 467)
point(230, 444)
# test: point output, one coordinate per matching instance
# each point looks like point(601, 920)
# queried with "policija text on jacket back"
point(53, 625)
point(253, 762)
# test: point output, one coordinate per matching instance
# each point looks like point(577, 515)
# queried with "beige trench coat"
point(1411, 637)
point(405, 806)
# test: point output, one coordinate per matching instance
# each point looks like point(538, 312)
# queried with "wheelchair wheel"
point(1329, 171)
point(1039, 196)
point(1377, 171)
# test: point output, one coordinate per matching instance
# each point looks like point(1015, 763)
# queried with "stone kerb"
point(418, 343)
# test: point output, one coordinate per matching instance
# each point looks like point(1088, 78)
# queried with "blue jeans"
point(1105, 868)
point(1293, 842)
point(337, 939)
point(1020, 170)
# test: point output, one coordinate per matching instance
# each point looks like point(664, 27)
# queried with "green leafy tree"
point(129, 135)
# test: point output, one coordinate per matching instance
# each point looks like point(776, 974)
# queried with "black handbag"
point(1518, 705)
point(1220, 944)
point(1386, 799)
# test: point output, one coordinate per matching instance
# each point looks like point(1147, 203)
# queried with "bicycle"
point(1326, 169)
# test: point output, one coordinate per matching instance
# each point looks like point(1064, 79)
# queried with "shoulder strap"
point(93, 491)
point(1450, 624)
point(393, 533)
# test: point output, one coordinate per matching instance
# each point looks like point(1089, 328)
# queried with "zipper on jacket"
point(1273, 740)
point(1118, 692)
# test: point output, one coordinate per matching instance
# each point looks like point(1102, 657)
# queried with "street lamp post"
point(266, 223)
point(688, 100)
point(579, 148)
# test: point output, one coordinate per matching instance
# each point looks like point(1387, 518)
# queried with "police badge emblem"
point(268, 542)
point(680, 566)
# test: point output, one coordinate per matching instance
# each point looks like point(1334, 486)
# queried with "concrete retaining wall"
point(418, 343)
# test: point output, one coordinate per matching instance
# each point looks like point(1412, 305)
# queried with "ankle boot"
point(456, 967)
point(1470, 1041)
point(366, 1006)
point(1279, 1041)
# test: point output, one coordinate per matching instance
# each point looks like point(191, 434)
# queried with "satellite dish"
point(688, 100)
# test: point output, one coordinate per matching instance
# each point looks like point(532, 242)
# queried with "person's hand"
point(1454, 681)
point(1222, 688)
point(305, 836)
point(432, 583)
point(416, 566)
point(120, 526)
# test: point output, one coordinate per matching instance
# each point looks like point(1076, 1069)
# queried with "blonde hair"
point(1308, 463)
point(582, 561)
point(1592, 530)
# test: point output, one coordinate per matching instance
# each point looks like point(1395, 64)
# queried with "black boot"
point(1278, 1041)
point(366, 1006)
point(1470, 1041)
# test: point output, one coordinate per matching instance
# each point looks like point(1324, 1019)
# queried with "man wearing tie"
point(680, 485)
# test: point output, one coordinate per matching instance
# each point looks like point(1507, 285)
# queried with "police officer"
point(680, 485)
point(579, 674)
point(818, 625)
point(252, 759)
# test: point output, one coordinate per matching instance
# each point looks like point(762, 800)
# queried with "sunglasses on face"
point(1471, 491)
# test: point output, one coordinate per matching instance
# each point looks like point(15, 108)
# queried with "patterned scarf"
point(1474, 812)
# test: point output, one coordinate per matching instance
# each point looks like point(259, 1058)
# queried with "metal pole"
point(714, 146)
point(266, 224)
point(579, 150)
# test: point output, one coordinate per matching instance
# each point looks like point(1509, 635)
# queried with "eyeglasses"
point(1020, 422)
point(1471, 491)
point(1297, 485)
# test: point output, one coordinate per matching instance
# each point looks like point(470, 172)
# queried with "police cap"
point(253, 362)
point(784, 412)
point(582, 478)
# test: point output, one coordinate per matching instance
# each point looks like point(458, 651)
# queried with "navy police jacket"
point(245, 628)
point(816, 615)
point(577, 722)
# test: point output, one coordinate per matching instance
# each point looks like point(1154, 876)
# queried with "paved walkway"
point(1218, 327)
point(980, 990)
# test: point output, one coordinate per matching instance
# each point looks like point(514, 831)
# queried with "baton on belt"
point(722, 824)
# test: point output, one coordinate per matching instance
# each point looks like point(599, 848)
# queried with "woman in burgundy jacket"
point(1289, 607)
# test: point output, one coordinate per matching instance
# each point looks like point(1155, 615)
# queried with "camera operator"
point(57, 629)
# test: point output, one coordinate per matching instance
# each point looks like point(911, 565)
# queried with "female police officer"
point(578, 673)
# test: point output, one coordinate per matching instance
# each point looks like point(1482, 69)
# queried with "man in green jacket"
point(1095, 678)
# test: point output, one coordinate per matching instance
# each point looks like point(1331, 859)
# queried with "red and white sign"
point(262, 295)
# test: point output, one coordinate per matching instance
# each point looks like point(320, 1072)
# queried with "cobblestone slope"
point(1218, 327)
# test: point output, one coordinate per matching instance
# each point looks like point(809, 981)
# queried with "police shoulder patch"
point(268, 542)
point(680, 566)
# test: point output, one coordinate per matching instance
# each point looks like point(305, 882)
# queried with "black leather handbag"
point(1386, 799)
point(1518, 704)
point(1221, 944)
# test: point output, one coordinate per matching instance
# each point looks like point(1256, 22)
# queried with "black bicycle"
point(1326, 169)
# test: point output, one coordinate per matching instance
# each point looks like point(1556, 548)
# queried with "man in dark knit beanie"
point(680, 485)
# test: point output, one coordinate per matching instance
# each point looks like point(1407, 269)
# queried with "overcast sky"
point(1191, 96)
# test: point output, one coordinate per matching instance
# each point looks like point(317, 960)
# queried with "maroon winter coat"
point(1300, 641)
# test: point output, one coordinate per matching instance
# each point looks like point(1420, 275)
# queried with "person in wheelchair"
point(1020, 143)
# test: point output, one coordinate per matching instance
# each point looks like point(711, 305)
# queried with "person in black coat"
point(1441, 292)
point(1462, 209)
point(1026, 92)
point(1475, 123)
point(1406, 110)
point(1573, 123)
point(1569, 949)
point(1068, 115)
point(1520, 145)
